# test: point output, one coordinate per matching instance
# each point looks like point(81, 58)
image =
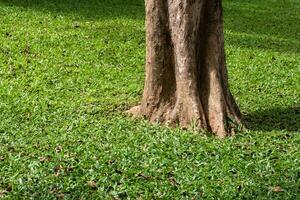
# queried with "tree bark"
point(186, 77)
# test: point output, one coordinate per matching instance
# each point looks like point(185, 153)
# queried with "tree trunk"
point(186, 77)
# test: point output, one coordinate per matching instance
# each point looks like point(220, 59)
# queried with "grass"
point(69, 70)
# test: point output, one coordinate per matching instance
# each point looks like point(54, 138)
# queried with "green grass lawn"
point(68, 71)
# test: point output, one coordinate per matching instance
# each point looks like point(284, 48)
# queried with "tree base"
point(186, 77)
point(187, 115)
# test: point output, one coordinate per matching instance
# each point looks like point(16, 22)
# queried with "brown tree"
point(186, 77)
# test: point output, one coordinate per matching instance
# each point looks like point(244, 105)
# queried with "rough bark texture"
point(186, 77)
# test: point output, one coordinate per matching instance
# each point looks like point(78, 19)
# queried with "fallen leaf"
point(58, 168)
point(58, 149)
point(9, 188)
point(111, 162)
point(277, 189)
point(56, 174)
point(173, 181)
point(70, 169)
point(170, 174)
point(92, 184)
point(45, 159)
point(3, 193)
point(60, 196)
point(144, 176)
point(53, 190)
point(76, 24)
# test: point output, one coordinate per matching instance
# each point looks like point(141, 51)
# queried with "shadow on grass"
point(85, 9)
point(287, 119)
point(270, 18)
point(266, 25)
point(257, 24)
